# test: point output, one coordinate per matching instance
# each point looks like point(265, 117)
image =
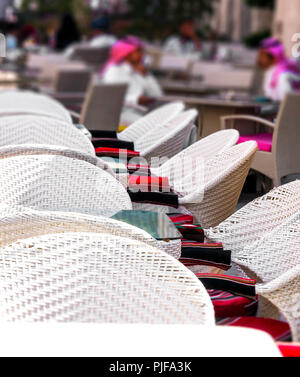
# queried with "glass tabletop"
point(157, 224)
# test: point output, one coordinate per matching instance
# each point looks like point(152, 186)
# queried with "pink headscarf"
point(119, 51)
point(274, 47)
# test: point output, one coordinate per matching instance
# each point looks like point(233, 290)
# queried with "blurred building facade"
point(287, 21)
point(231, 18)
point(235, 20)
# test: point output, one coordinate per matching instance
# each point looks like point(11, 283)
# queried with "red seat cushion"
point(289, 350)
point(180, 219)
point(230, 305)
point(264, 141)
point(116, 152)
point(280, 331)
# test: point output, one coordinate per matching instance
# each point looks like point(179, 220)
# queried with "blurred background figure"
point(12, 36)
point(126, 65)
point(282, 75)
point(48, 33)
point(186, 42)
point(102, 36)
point(67, 33)
point(14, 43)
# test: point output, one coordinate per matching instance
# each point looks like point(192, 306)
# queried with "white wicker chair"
point(283, 293)
point(169, 139)
point(29, 129)
point(274, 253)
point(21, 222)
point(182, 164)
point(214, 193)
point(40, 149)
point(274, 261)
point(257, 218)
point(62, 184)
point(211, 191)
point(150, 121)
point(14, 102)
point(98, 278)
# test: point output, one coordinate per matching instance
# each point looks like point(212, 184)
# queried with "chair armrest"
point(249, 118)
point(74, 114)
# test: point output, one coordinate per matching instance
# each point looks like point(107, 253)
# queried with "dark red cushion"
point(115, 152)
point(230, 305)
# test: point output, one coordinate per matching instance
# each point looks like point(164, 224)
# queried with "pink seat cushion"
point(264, 141)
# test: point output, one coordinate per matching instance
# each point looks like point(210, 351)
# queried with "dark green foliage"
point(156, 18)
point(253, 40)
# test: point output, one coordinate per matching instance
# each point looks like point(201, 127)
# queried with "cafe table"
point(185, 87)
point(212, 108)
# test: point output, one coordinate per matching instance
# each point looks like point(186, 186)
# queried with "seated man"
point(187, 42)
point(126, 66)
